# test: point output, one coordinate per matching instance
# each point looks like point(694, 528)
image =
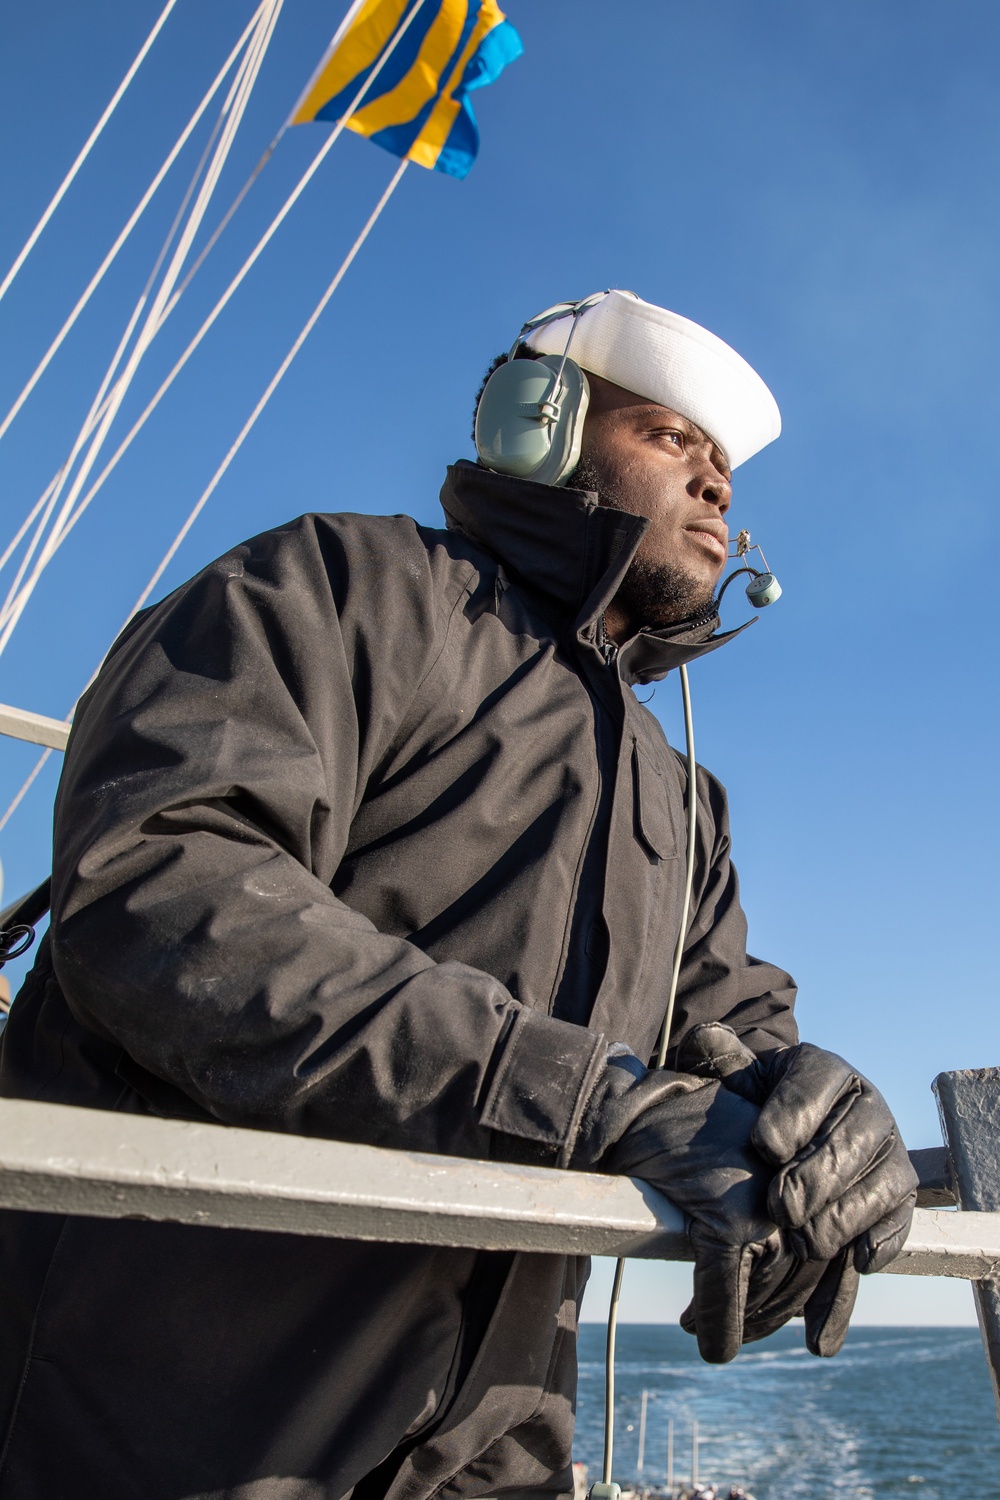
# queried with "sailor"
point(363, 834)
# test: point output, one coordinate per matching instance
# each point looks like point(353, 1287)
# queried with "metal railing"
point(37, 729)
point(62, 1159)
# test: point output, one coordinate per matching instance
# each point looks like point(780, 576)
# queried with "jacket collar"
point(564, 545)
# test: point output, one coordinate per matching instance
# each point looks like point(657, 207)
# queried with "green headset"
point(530, 417)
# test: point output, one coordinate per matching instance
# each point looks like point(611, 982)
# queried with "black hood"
point(566, 546)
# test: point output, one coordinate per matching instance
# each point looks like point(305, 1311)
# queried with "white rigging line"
point(26, 787)
point(98, 407)
point(217, 232)
point(238, 99)
point(241, 274)
point(207, 493)
point(269, 392)
point(99, 404)
point(85, 150)
point(335, 133)
point(12, 545)
point(275, 381)
point(134, 218)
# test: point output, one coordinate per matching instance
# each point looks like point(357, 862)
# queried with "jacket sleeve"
point(719, 980)
point(206, 803)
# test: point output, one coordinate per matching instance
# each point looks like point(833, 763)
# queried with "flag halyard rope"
point(99, 411)
point(130, 224)
point(244, 432)
point(241, 274)
point(99, 405)
point(271, 388)
point(85, 150)
point(95, 429)
point(25, 788)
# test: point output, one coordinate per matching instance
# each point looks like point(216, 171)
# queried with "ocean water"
point(900, 1411)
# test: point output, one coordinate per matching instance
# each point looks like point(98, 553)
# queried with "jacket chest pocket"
point(657, 806)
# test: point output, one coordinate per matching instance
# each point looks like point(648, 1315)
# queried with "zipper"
point(608, 649)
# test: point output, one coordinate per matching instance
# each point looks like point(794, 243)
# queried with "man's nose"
point(709, 485)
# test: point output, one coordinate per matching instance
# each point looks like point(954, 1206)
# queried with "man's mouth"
point(714, 538)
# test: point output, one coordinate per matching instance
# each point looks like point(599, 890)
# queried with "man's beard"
point(658, 594)
point(651, 594)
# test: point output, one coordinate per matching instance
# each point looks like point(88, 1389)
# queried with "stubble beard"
point(652, 594)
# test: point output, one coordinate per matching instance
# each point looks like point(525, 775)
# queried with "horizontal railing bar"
point(944, 1242)
point(61, 1159)
point(58, 1158)
point(38, 729)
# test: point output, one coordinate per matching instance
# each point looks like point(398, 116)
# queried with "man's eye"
point(673, 436)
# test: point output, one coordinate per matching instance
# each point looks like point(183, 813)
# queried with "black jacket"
point(361, 835)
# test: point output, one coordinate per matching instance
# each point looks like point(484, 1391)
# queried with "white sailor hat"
point(670, 360)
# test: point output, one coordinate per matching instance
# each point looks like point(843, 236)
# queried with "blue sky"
point(816, 183)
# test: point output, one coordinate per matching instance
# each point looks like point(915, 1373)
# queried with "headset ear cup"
point(573, 420)
point(529, 424)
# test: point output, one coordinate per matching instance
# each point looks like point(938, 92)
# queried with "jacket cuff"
point(543, 1079)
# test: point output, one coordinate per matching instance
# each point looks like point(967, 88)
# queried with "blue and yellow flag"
point(424, 58)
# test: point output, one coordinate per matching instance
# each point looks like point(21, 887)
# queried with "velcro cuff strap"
point(544, 1077)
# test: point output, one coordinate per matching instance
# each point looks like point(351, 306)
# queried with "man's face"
point(648, 460)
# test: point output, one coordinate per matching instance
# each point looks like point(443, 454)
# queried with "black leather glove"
point(844, 1178)
point(691, 1139)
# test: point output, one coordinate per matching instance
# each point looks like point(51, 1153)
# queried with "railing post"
point(969, 1105)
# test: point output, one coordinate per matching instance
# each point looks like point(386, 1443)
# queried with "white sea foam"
point(878, 1421)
